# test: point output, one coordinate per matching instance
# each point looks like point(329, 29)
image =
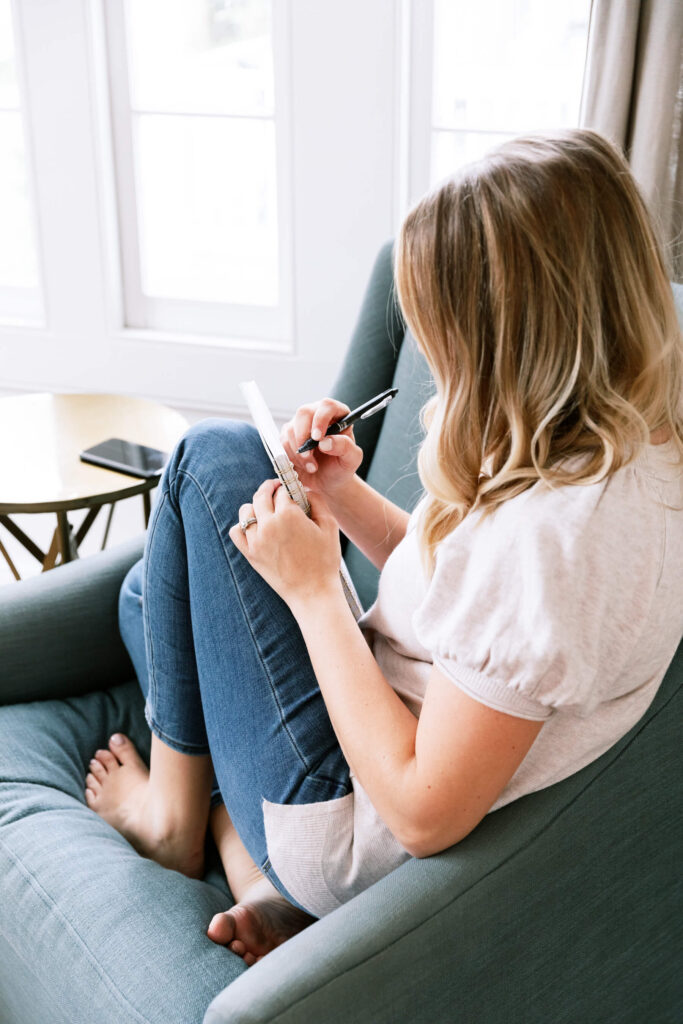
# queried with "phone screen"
point(126, 457)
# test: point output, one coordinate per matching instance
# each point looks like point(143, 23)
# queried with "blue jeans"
point(219, 656)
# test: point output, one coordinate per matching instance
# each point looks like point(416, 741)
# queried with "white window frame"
point(346, 139)
point(24, 307)
point(420, 96)
point(189, 318)
point(418, 74)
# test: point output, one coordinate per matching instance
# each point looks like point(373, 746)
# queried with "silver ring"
point(244, 523)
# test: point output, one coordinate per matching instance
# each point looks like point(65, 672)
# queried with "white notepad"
point(270, 436)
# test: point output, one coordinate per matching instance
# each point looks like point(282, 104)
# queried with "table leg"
point(147, 506)
point(106, 529)
point(53, 551)
point(4, 551)
point(22, 537)
point(86, 524)
point(66, 543)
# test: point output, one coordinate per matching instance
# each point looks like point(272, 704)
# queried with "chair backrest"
point(383, 354)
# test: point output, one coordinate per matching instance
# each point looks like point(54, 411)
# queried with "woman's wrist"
point(372, 522)
point(307, 604)
point(342, 495)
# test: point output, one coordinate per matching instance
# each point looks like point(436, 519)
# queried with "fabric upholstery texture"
point(59, 630)
point(88, 921)
point(383, 354)
point(392, 470)
point(547, 912)
point(562, 907)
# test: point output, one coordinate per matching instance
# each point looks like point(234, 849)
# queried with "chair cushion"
point(92, 924)
point(563, 907)
point(393, 469)
point(370, 360)
point(74, 612)
point(677, 289)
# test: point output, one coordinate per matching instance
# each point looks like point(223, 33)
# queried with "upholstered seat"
point(563, 907)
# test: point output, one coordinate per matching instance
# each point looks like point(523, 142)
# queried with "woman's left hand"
point(297, 556)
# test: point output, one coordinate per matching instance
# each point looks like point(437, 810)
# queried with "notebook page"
point(270, 436)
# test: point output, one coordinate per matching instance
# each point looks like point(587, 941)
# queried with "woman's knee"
point(220, 450)
point(216, 443)
point(215, 431)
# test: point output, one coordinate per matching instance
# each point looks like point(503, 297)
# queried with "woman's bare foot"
point(118, 790)
point(262, 920)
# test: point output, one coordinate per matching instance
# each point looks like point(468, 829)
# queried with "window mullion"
point(154, 311)
point(24, 304)
point(134, 306)
point(59, 140)
point(421, 86)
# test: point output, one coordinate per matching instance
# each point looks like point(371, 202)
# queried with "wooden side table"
point(41, 437)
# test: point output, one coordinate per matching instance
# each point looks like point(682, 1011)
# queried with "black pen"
point(361, 413)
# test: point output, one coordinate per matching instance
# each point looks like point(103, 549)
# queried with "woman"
point(527, 609)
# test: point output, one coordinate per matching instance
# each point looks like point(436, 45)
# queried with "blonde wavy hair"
point(536, 289)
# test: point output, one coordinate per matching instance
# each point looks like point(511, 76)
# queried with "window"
point(200, 158)
point(156, 281)
point(214, 178)
point(499, 68)
point(20, 292)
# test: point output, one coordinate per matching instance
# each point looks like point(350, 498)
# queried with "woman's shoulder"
point(552, 590)
point(615, 521)
point(661, 462)
point(638, 488)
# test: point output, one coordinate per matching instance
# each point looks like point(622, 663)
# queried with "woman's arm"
point(431, 780)
point(373, 523)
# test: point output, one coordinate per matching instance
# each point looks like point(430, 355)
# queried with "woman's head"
point(536, 289)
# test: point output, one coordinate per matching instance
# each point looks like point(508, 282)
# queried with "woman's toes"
point(222, 929)
point(107, 759)
point(92, 783)
point(97, 769)
point(125, 751)
point(90, 798)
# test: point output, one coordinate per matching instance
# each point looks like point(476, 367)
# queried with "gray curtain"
point(633, 94)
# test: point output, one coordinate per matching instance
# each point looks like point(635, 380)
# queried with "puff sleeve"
point(539, 606)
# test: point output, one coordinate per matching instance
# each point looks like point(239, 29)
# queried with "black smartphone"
point(126, 457)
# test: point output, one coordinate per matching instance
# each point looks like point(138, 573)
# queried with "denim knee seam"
point(257, 646)
point(151, 675)
point(151, 699)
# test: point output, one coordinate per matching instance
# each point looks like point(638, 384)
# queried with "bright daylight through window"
point(501, 68)
point(20, 291)
point(195, 139)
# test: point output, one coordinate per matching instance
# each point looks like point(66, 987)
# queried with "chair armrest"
point(59, 631)
point(562, 906)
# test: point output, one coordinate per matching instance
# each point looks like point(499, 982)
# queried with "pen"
point(361, 413)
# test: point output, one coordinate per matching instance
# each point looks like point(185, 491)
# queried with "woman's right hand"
point(323, 471)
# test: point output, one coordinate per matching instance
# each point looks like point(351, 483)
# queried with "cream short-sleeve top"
point(563, 606)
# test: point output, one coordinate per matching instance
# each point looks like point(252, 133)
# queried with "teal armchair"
point(564, 906)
